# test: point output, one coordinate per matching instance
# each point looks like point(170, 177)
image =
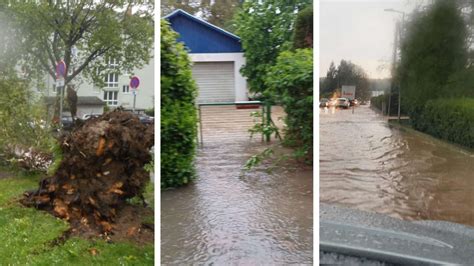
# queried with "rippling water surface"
point(230, 217)
point(369, 165)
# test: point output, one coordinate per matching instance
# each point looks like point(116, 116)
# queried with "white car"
point(87, 116)
point(342, 103)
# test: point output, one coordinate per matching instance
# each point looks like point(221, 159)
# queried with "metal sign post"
point(134, 83)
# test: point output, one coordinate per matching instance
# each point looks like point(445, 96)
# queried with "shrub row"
point(449, 119)
point(178, 113)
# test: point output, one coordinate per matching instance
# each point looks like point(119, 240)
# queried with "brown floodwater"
point(229, 216)
point(367, 164)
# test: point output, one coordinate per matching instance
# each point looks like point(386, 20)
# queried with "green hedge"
point(178, 113)
point(449, 119)
point(291, 83)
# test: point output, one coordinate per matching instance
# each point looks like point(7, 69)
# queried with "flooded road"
point(230, 217)
point(368, 165)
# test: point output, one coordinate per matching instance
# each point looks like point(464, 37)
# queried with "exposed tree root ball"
point(102, 166)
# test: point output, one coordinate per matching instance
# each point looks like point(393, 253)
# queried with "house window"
point(112, 62)
point(111, 98)
point(111, 80)
point(126, 89)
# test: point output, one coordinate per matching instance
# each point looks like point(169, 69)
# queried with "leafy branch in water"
point(257, 159)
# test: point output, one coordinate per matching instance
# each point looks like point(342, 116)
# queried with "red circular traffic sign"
point(134, 82)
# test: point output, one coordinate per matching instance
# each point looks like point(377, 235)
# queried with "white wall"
point(145, 93)
point(239, 61)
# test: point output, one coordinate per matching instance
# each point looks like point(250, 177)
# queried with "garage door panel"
point(215, 81)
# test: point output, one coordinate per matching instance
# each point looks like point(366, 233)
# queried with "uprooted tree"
point(102, 166)
point(87, 35)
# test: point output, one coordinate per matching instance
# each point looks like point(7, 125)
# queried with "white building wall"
point(238, 59)
point(145, 94)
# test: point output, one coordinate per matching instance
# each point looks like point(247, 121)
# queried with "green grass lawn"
point(26, 235)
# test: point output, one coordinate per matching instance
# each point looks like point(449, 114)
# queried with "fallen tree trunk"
point(102, 167)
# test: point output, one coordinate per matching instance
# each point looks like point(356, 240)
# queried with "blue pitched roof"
point(201, 36)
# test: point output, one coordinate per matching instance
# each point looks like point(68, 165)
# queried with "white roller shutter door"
point(215, 81)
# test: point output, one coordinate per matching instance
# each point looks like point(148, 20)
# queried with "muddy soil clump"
point(102, 167)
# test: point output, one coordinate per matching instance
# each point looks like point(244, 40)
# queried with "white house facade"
point(217, 57)
point(115, 93)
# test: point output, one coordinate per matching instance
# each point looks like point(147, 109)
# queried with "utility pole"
point(400, 29)
point(394, 61)
point(400, 84)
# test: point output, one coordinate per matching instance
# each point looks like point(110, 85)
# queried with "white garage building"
point(217, 57)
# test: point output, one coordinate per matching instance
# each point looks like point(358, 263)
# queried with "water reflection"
point(366, 164)
point(229, 216)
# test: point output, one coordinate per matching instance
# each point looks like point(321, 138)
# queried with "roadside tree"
point(266, 29)
point(434, 48)
point(347, 73)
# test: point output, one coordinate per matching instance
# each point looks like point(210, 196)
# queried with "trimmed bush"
point(449, 119)
point(291, 83)
point(178, 113)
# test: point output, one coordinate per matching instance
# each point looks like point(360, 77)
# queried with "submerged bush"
point(178, 113)
point(291, 83)
point(449, 119)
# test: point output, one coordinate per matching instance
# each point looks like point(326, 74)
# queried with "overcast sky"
point(360, 31)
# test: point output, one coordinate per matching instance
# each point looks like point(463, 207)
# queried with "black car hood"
point(379, 237)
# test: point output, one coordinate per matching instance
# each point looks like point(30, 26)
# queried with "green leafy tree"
point(434, 48)
point(291, 81)
point(347, 73)
point(303, 35)
point(46, 32)
point(8, 53)
point(266, 30)
point(219, 13)
point(351, 74)
point(329, 84)
point(178, 112)
point(22, 119)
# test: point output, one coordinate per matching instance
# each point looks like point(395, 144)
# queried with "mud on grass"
point(36, 237)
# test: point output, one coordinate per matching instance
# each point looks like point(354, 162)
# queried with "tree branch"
point(43, 63)
point(92, 56)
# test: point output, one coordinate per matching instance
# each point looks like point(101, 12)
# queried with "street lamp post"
point(399, 29)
